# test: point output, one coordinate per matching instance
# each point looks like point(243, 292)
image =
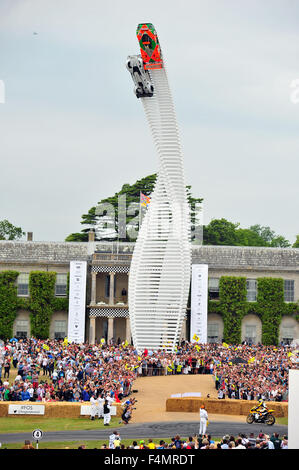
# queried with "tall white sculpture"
point(161, 263)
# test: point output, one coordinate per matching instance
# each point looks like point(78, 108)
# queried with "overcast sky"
point(72, 132)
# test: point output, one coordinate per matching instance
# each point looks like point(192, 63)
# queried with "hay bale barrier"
point(52, 409)
point(223, 407)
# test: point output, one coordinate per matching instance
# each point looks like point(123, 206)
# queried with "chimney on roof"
point(91, 236)
point(29, 236)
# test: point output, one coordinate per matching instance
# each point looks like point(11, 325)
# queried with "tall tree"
point(132, 199)
point(8, 231)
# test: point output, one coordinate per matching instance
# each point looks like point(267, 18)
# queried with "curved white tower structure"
point(161, 264)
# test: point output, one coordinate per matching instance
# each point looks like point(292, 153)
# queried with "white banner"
point(86, 410)
point(77, 299)
point(26, 409)
point(293, 409)
point(199, 303)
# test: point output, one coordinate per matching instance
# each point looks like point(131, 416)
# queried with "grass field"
point(18, 424)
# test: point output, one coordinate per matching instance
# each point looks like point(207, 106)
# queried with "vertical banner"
point(199, 303)
point(77, 299)
point(293, 409)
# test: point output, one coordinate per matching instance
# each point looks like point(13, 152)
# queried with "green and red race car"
point(149, 46)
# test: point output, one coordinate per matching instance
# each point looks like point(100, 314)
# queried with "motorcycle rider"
point(261, 408)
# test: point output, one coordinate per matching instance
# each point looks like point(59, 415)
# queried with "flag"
point(251, 360)
point(144, 200)
point(197, 347)
point(225, 345)
point(290, 354)
point(46, 347)
point(65, 341)
point(195, 337)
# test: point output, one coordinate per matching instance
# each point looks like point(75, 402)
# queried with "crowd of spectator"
point(54, 370)
point(203, 442)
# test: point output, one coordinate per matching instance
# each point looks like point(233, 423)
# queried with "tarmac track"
point(138, 431)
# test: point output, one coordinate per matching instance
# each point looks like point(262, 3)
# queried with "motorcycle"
point(255, 417)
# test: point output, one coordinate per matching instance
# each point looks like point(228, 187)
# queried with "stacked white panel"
point(161, 264)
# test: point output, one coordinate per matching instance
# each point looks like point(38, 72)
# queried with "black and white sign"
point(199, 303)
point(37, 434)
point(77, 301)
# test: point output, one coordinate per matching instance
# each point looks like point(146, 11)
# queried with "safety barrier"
point(51, 410)
point(223, 407)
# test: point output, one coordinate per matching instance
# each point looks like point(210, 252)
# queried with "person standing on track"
point(93, 407)
point(107, 413)
point(203, 418)
point(100, 406)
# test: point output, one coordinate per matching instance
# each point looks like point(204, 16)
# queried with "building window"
point(213, 288)
point(60, 329)
point(250, 334)
point(22, 327)
point(289, 290)
point(213, 332)
point(23, 284)
point(251, 285)
point(287, 334)
point(61, 285)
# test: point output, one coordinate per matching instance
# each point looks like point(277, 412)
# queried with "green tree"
point(132, 192)
point(296, 244)
point(9, 232)
point(220, 232)
point(269, 236)
point(247, 237)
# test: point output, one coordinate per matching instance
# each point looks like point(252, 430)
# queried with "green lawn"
point(18, 424)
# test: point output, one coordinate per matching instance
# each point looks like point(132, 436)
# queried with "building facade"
point(107, 293)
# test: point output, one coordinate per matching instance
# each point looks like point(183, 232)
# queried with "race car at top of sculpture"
point(149, 46)
point(150, 59)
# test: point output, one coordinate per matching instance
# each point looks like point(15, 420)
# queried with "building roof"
point(244, 257)
point(226, 257)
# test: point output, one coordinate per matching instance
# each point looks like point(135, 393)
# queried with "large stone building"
point(108, 268)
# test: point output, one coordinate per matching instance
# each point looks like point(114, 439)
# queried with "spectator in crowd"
point(27, 445)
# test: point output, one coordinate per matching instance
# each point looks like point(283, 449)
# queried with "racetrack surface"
point(164, 430)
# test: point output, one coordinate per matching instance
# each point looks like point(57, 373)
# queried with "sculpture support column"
point(184, 329)
point(111, 290)
point(128, 330)
point(92, 330)
point(93, 287)
point(110, 329)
